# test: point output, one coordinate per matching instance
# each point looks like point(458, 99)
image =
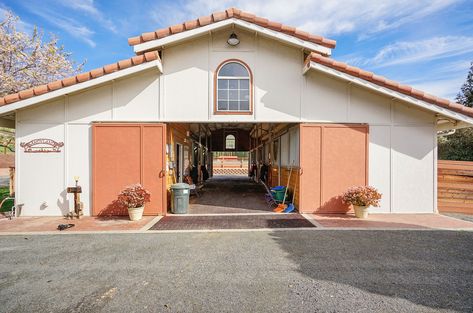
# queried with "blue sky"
point(424, 43)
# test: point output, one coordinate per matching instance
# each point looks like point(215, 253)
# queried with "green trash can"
point(180, 198)
point(278, 193)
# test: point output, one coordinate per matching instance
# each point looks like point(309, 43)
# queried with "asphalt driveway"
point(280, 271)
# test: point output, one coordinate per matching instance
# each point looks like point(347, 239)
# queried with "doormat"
point(189, 222)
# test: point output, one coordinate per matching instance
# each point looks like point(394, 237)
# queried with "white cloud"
point(21, 25)
point(444, 75)
point(407, 52)
point(444, 80)
point(68, 25)
point(83, 5)
point(446, 88)
point(88, 7)
point(457, 66)
point(364, 17)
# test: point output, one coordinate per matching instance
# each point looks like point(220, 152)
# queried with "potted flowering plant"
point(134, 198)
point(362, 198)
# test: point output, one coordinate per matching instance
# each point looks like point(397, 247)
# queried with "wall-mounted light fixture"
point(233, 40)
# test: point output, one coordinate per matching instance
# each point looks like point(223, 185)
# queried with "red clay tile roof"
point(390, 84)
point(66, 82)
point(227, 14)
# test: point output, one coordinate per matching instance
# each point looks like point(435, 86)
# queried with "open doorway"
point(226, 163)
point(230, 163)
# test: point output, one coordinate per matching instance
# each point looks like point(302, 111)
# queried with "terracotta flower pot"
point(136, 213)
point(361, 211)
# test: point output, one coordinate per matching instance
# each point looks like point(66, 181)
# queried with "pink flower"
point(362, 196)
point(134, 196)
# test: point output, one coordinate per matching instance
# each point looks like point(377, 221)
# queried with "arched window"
point(230, 142)
point(233, 87)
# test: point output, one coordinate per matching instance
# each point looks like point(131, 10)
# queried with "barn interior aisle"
point(230, 194)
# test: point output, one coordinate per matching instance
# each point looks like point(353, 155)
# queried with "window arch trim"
point(216, 111)
point(230, 138)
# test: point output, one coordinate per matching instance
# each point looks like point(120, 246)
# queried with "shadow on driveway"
point(427, 268)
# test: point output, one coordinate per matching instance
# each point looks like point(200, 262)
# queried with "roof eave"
point(386, 91)
point(189, 34)
point(5, 109)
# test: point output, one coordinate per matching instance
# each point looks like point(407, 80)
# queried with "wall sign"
point(41, 145)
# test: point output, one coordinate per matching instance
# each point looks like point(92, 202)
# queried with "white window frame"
point(249, 78)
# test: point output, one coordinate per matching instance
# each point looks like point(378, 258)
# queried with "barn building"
point(230, 81)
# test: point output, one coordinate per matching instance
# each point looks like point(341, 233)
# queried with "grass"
point(5, 192)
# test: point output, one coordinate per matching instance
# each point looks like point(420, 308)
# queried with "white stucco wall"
point(42, 178)
point(188, 78)
point(402, 138)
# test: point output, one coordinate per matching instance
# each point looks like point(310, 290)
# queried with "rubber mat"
point(189, 222)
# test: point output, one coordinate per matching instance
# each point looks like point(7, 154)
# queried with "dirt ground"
point(230, 194)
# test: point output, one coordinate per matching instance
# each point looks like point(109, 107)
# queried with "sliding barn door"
point(126, 154)
point(332, 158)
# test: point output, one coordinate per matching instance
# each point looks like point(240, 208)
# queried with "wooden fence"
point(455, 186)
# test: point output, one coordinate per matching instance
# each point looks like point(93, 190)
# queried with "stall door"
point(332, 158)
point(125, 154)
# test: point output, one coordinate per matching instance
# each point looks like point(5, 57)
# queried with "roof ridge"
point(79, 78)
point(390, 84)
point(227, 14)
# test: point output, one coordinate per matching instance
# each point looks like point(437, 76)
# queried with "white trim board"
point(188, 34)
point(7, 108)
point(386, 91)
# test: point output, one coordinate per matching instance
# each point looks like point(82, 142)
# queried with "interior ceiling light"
point(233, 40)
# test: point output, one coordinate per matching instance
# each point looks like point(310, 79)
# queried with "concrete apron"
point(444, 223)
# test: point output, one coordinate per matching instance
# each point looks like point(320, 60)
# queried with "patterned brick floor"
point(252, 221)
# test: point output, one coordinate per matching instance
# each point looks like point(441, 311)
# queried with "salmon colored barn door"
point(125, 154)
point(333, 158)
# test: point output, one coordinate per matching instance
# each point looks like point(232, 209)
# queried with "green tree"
point(465, 96)
point(459, 146)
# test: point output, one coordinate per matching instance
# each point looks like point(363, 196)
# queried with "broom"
point(291, 206)
point(282, 206)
